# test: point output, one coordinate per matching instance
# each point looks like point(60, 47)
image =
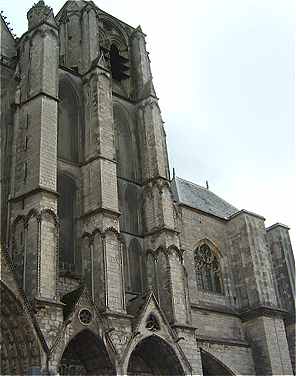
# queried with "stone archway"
point(20, 350)
point(211, 366)
point(86, 355)
point(153, 356)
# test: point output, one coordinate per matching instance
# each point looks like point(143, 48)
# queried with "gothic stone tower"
point(107, 265)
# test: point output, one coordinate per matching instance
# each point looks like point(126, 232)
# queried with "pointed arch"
point(154, 356)
point(86, 354)
point(215, 247)
point(69, 120)
point(212, 366)
point(207, 262)
point(118, 36)
point(172, 249)
point(20, 348)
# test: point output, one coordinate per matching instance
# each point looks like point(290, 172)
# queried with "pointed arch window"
point(208, 270)
point(119, 64)
point(133, 267)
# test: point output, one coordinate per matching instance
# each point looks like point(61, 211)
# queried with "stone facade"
point(109, 266)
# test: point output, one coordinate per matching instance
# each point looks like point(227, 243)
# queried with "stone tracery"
point(208, 270)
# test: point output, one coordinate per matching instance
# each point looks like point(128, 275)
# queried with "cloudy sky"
point(224, 72)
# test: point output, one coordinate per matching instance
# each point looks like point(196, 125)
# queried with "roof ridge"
point(197, 185)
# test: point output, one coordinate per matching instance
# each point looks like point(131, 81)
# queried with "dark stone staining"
point(130, 206)
point(151, 280)
point(87, 263)
point(68, 124)
point(133, 267)
point(126, 147)
point(135, 257)
point(66, 213)
point(130, 193)
point(19, 251)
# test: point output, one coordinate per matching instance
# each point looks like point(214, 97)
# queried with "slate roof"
point(200, 198)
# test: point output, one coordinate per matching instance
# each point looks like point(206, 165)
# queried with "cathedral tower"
point(109, 266)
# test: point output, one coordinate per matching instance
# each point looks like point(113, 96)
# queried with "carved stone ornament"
point(85, 316)
point(205, 258)
point(152, 323)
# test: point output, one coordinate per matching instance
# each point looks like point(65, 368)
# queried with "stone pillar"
point(267, 337)
point(33, 192)
point(256, 294)
point(89, 37)
point(249, 253)
point(283, 264)
point(34, 196)
point(100, 213)
point(141, 64)
point(160, 229)
point(155, 160)
point(284, 275)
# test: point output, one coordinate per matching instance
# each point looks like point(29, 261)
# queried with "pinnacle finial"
point(38, 13)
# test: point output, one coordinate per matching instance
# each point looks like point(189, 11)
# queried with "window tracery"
point(208, 270)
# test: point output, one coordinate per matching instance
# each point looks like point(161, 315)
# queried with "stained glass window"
point(208, 271)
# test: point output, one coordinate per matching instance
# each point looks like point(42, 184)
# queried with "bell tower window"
point(119, 67)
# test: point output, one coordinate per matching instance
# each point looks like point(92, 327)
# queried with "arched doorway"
point(211, 366)
point(20, 351)
point(153, 356)
point(86, 355)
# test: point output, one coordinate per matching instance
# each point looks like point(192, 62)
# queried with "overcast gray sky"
point(224, 72)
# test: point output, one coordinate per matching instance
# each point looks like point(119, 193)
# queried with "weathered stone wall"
point(268, 341)
point(217, 325)
point(197, 227)
point(7, 93)
point(231, 327)
point(237, 357)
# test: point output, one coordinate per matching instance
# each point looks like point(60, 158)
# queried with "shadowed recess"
point(153, 356)
point(86, 355)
